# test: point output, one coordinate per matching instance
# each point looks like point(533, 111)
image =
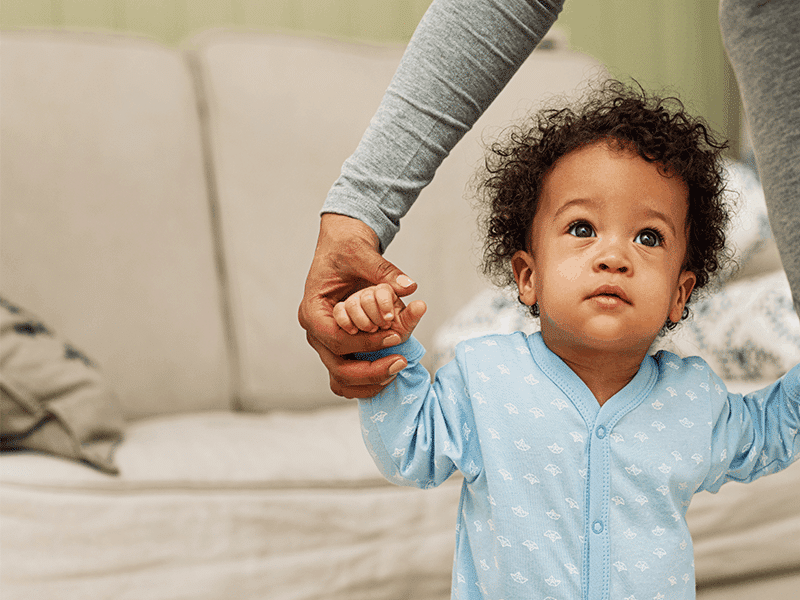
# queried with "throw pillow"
point(53, 399)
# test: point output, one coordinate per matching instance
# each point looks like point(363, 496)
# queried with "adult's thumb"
point(380, 270)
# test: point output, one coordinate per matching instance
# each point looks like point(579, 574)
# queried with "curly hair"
point(657, 129)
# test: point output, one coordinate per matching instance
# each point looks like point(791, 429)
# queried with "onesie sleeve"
point(419, 433)
point(755, 434)
point(460, 57)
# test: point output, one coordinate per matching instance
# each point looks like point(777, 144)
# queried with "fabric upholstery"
point(105, 231)
point(224, 505)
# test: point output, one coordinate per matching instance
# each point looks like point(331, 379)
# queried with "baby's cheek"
point(570, 270)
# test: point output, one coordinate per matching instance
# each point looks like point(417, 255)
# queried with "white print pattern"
point(660, 448)
point(553, 536)
point(521, 445)
point(409, 399)
point(530, 545)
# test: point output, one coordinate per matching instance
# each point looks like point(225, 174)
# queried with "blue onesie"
point(563, 498)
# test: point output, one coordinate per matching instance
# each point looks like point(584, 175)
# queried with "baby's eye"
point(581, 229)
point(648, 237)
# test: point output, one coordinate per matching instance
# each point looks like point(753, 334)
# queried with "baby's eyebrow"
point(575, 202)
point(656, 214)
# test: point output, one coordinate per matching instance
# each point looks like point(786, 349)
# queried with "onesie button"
point(601, 432)
point(597, 527)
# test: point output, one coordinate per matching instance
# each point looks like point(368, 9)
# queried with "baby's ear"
point(524, 271)
point(686, 282)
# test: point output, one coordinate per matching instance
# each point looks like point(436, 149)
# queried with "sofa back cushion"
point(106, 232)
point(284, 114)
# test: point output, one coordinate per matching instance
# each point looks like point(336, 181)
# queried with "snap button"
point(597, 527)
point(601, 432)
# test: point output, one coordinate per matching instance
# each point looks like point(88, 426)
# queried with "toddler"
point(580, 452)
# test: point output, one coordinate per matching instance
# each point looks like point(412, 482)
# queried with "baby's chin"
point(600, 335)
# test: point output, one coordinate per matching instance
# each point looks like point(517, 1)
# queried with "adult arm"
point(761, 39)
point(461, 56)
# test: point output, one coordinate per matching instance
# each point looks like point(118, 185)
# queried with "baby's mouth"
point(611, 294)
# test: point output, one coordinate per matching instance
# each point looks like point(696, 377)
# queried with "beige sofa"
point(159, 211)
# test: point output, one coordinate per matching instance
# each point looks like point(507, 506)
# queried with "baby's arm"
point(755, 434)
point(417, 431)
point(378, 307)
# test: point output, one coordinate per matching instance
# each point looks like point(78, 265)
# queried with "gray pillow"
point(53, 399)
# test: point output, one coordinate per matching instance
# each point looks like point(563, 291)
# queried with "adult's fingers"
point(357, 378)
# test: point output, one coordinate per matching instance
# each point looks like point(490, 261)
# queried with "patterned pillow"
point(749, 236)
point(747, 331)
point(52, 398)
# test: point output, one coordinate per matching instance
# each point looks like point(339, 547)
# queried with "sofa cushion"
point(106, 231)
point(53, 399)
point(221, 505)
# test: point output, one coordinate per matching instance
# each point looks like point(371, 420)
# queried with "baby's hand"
point(378, 307)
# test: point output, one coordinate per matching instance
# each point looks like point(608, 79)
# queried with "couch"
point(159, 213)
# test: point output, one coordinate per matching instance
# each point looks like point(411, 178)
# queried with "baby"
point(580, 452)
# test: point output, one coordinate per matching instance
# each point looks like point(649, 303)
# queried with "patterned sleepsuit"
point(562, 498)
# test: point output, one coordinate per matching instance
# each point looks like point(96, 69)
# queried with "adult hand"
point(347, 259)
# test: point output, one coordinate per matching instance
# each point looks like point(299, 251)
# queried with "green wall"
point(665, 44)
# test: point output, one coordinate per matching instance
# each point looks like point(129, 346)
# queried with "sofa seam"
point(195, 70)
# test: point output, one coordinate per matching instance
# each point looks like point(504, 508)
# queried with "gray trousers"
point(762, 38)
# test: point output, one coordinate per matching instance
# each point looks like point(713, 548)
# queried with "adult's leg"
point(762, 38)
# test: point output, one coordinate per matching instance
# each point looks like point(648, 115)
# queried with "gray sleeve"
point(763, 43)
point(461, 56)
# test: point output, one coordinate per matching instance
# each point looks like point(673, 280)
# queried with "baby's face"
point(608, 243)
